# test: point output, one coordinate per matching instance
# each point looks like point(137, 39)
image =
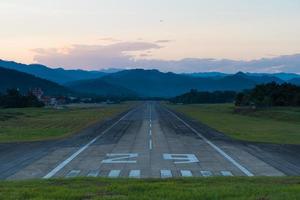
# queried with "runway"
point(149, 141)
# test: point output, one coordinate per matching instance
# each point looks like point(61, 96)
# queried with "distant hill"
point(58, 75)
point(282, 76)
point(214, 75)
point(153, 83)
point(262, 79)
point(148, 83)
point(100, 87)
point(295, 81)
point(23, 81)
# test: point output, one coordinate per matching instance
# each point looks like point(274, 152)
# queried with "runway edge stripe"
point(220, 151)
point(68, 160)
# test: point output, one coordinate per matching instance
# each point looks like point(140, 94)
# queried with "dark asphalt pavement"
point(147, 141)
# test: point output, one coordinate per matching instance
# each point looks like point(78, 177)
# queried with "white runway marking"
point(181, 158)
point(150, 144)
point(73, 173)
point(150, 132)
point(220, 151)
point(68, 160)
point(206, 173)
point(135, 174)
point(93, 173)
point(120, 158)
point(226, 173)
point(165, 173)
point(114, 173)
point(186, 173)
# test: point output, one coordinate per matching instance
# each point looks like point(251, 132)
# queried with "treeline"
point(14, 99)
point(194, 97)
point(271, 94)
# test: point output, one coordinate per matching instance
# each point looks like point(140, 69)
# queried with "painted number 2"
point(181, 158)
point(120, 158)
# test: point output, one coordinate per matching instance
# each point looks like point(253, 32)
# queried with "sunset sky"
point(96, 34)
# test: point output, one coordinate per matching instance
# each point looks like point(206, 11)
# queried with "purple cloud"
point(93, 56)
point(163, 41)
point(119, 55)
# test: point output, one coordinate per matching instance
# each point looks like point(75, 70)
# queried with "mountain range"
point(135, 82)
point(153, 83)
point(23, 81)
point(58, 75)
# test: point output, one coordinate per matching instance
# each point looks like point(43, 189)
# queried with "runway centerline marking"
point(150, 144)
point(69, 159)
point(150, 129)
point(220, 151)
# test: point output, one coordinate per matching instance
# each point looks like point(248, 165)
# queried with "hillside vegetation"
point(273, 125)
point(14, 79)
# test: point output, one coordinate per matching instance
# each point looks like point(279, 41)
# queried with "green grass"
point(222, 188)
point(33, 124)
point(275, 125)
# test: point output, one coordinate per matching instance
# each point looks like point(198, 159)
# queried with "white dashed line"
point(186, 173)
point(114, 173)
point(93, 173)
point(206, 173)
point(226, 173)
point(165, 173)
point(150, 144)
point(73, 173)
point(135, 174)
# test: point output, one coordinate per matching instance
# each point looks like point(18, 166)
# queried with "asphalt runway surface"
point(149, 141)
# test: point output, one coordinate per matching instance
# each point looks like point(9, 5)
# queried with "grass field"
point(276, 125)
point(222, 188)
point(32, 124)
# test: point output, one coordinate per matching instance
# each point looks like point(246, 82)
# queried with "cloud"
point(144, 55)
point(136, 55)
point(93, 56)
point(286, 63)
point(109, 39)
point(163, 41)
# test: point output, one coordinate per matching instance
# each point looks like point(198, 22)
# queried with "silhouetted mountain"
point(295, 81)
point(236, 82)
point(286, 76)
point(261, 77)
point(265, 79)
point(281, 76)
point(58, 75)
point(13, 79)
point(152, 83)
point(100, 87)
point(214, 75)
point(111, 70)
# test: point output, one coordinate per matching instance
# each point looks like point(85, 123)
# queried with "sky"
point(171, 35)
